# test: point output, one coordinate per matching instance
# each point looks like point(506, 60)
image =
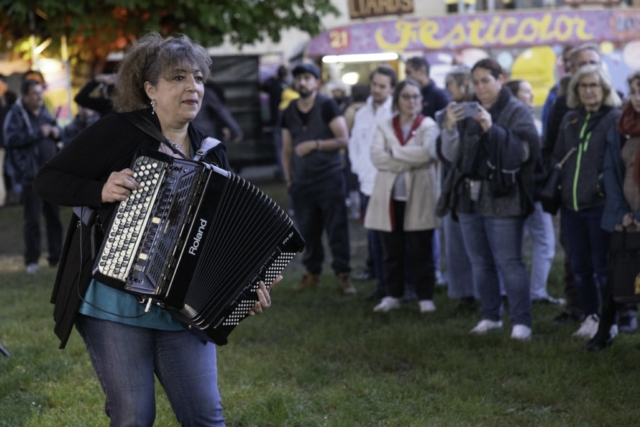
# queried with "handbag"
point(551, 194)
point(624, 265)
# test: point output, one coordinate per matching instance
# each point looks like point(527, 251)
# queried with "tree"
point(94, 28)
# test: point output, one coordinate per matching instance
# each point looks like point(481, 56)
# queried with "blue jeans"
point(126, 358)
point(495, 249)
point(589, 247)
point(539, 225)
point(459, 271)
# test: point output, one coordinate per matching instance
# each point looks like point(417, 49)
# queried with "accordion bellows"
point(196, 240)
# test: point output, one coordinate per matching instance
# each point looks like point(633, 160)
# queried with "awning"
point(481, 30)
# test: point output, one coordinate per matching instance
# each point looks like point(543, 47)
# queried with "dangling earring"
point(153, 106)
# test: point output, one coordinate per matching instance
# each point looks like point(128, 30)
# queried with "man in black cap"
point(313, 133)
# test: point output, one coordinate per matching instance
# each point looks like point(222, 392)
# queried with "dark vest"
point(317, 165)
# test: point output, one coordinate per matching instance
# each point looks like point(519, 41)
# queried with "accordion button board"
point(196, 240)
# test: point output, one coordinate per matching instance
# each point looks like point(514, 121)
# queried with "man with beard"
point(382, 82)
point(313, 133)
point(30, 134)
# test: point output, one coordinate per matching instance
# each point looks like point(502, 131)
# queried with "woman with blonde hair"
point(582, 142)
point(460, 284)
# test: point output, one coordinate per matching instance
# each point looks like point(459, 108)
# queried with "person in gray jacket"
point(582, 140)
point(489, 189)
point(30, 134)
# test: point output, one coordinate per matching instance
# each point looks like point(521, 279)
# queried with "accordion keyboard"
point(131, 217)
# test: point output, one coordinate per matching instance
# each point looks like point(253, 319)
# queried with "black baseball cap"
point(306, 68)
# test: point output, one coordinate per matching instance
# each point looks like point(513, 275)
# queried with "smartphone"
point(470, 108)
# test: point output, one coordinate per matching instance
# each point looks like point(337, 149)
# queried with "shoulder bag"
point(550, 195)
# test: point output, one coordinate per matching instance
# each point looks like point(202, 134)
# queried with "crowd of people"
point(471, 160)
point(468, 160)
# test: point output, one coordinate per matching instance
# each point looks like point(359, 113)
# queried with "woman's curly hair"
point(148, 60)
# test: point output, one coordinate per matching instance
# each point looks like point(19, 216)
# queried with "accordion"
point(196, 240)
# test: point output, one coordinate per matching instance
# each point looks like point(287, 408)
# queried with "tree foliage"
point(101, 26)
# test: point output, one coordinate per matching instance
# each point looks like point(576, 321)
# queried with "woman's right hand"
point(454, 114)
point(119, 186)
point(627, 220)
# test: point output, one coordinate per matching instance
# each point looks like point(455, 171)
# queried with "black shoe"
point(599, 342)
point(365, 275)
point(376, 295)
point(565, 317)
point(628, 324)
point(467, 305)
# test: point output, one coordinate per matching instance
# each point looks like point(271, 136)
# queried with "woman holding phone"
point(490, 204)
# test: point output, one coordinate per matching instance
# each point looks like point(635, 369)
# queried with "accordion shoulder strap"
point(147, 127)
point(207, 145)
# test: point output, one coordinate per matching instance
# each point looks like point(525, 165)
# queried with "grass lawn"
point(320, 359)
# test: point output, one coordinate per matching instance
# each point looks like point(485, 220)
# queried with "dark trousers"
point(318, 208)
point(33, 205)
point(589, 246)
point(419, 256)
point(374, 245)
point(570, 290)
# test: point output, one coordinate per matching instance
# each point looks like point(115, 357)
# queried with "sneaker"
point(613, 331)
point(440, 279)
point(521, 332)
point(549, 301)
point(426, 306)
point(387, 304)
point(344, 283)
point(32, 268)
point(308, 281)
point(588, 328)
point(485, 326)
point(628, 323)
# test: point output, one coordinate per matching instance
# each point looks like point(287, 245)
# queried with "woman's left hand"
point(484, 118)
point(264, 298)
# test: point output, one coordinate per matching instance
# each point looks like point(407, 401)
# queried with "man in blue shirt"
point(433, 98)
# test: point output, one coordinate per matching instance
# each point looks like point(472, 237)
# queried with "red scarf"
point(629, 125)
point(398, 131)
point(629, 122)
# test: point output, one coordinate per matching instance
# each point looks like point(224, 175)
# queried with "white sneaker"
point(588, 327)
point(485, 326)
point(32, 268)
point(613, 331)
point(387, 304)
point(427, 305)
point(521, 332)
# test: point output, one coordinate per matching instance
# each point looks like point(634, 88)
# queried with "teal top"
point(100, 300)
point(107, 303)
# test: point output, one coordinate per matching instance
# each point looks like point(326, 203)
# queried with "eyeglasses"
point(408, 97)
point(583, 63)
point(585, 86)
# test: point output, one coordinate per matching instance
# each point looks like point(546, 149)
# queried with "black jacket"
point(75, 177)
point(27, 148)
point(582, 177)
